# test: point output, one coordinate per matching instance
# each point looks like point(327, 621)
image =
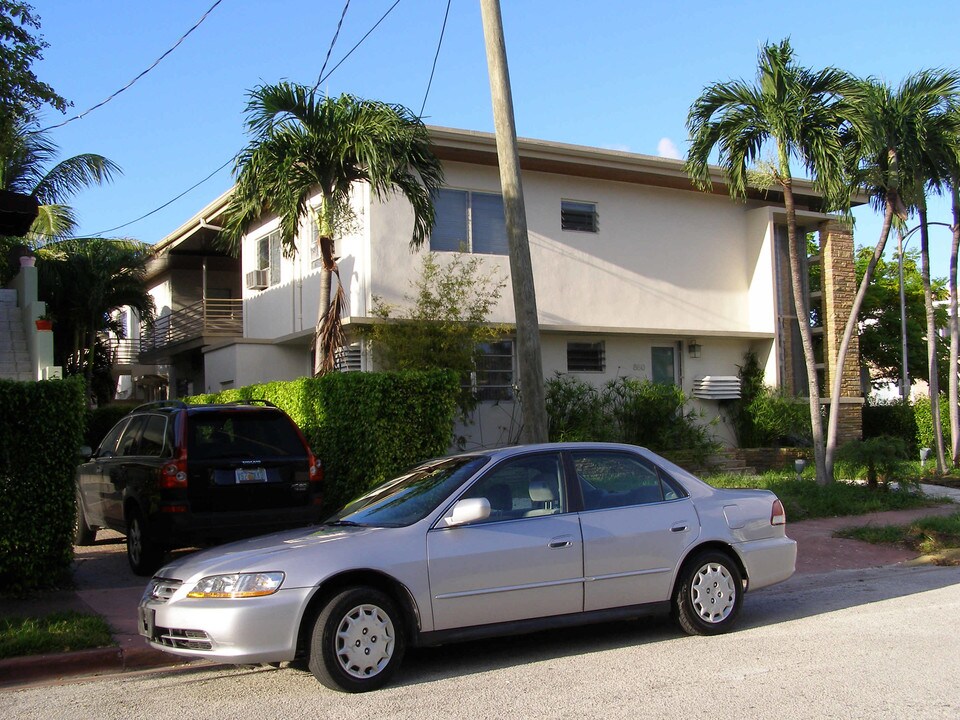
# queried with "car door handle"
point(679, 528)
point(561, 542)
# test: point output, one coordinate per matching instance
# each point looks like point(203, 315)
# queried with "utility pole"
point(532, 403)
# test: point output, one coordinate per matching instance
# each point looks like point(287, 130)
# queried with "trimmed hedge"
point(41, 428)
point(898, 419)
point(921, 408)
point(364, 427)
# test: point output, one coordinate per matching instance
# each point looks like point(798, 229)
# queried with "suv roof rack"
point(157, 404)
point(251, 401)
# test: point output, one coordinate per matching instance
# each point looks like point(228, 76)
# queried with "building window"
point(579, 216)
point(268, 257)
point(493, 379)
point(470, 222)
point(585, 357)
point(316, 260)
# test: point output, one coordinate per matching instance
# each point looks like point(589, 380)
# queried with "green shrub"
point(364, 427)
point(924, 419)
point(878, 458)
point(576, 410)
point(626, 410)
point(764, 416)
point(897, 419)
point(41, 428)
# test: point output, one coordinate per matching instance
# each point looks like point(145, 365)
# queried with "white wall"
point(240, 364)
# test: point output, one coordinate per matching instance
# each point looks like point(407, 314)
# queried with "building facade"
point(636, 274)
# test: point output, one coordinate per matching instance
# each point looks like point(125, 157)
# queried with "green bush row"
point(364, 427)
point(41, 427)
point(911, 423)
point(627, 410)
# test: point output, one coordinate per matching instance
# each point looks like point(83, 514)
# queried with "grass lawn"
point(804, 499)
point(928, 536)
point(57, 632)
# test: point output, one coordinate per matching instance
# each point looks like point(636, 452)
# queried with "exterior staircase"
point(15, 361)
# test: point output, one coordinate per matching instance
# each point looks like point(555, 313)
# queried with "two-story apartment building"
point(636, 273)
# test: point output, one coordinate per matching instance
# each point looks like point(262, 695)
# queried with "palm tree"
point(28, 166)
point(887, 138)
point(83, 281)
point(304, 143)
point(800, 113)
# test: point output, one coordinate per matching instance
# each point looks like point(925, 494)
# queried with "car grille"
point(162, 589)
point(183, 639)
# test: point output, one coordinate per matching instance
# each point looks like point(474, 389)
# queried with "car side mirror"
point(85, 452)
point(468, 511)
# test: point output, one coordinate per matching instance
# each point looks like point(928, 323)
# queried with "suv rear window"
point(241, 433)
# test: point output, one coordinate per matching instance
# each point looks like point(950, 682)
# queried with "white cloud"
point(668, 149)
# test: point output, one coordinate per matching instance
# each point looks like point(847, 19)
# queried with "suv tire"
point(143, 553)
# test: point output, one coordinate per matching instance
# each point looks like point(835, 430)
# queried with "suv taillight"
point(316, 469)
point(777, 515)
point(173, 474)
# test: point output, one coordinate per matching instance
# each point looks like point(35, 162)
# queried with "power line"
point(359, 43)
point(332, 43)
point(322, 78)
point(129, 84)
point(433, 69)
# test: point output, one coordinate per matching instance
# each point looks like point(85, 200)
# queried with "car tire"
point(709, 594)
point(358, 641)
point(143, 553)
point(83, 534)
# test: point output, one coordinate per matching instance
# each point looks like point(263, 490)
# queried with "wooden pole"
point(532, 403)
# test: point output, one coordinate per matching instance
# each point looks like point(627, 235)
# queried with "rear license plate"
point(147, 620)
point(251, 475)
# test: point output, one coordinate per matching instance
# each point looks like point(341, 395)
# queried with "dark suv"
point(172, 475)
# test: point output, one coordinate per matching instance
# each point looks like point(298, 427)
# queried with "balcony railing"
point(123, 351)
point(207, 318)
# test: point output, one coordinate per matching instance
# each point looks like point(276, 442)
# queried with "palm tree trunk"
point(837, 380)
point(954, 333)
point(934, 381)
point(803, 320)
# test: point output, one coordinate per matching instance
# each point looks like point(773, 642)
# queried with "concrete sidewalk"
point(105, 587)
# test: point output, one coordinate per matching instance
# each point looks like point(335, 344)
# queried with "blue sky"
point(610, 74)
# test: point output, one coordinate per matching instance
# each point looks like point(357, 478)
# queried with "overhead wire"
point(433, 69)
point(319, 82)
point(131, 83)
point(333, 42)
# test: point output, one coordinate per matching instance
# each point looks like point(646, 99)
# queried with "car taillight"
point(316, 469)
point(173, 474)
point(777, 515)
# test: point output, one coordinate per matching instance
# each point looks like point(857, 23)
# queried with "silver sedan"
point(481, 544)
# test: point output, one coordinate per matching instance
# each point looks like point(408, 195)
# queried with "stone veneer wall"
point(839, 291)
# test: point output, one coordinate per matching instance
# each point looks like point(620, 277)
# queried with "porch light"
point(694, 349)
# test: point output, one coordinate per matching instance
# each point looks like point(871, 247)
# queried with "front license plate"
point(252, 475)
point(147, 620)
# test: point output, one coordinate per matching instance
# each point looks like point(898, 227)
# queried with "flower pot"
point(44, 324)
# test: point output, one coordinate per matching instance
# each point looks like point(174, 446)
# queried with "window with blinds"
point(468, 221)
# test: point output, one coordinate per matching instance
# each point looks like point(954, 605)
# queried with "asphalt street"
point(877, 643)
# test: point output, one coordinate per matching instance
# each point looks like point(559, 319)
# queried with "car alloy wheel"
point(358, 641)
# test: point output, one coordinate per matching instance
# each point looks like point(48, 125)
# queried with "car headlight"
point(237, 585)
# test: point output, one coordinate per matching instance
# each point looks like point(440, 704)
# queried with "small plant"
point(576, 410)
point(764, 416)
point(881, 458)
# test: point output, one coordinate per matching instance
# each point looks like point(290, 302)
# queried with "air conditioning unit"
point(256, 280)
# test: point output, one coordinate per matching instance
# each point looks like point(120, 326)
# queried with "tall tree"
point(21, 92)
point(888, 139)
point(83, 281)
point(304, 143)
point(799, 112)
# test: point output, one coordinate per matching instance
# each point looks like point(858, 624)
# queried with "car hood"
point(287, 551)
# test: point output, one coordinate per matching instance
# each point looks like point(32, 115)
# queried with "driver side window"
point(527, 487)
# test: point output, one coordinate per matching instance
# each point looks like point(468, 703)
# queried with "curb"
point(54, 666)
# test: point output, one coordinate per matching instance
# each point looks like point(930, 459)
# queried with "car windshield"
point(411, 497)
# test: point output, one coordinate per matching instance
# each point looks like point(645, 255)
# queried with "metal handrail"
point(210, 317)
